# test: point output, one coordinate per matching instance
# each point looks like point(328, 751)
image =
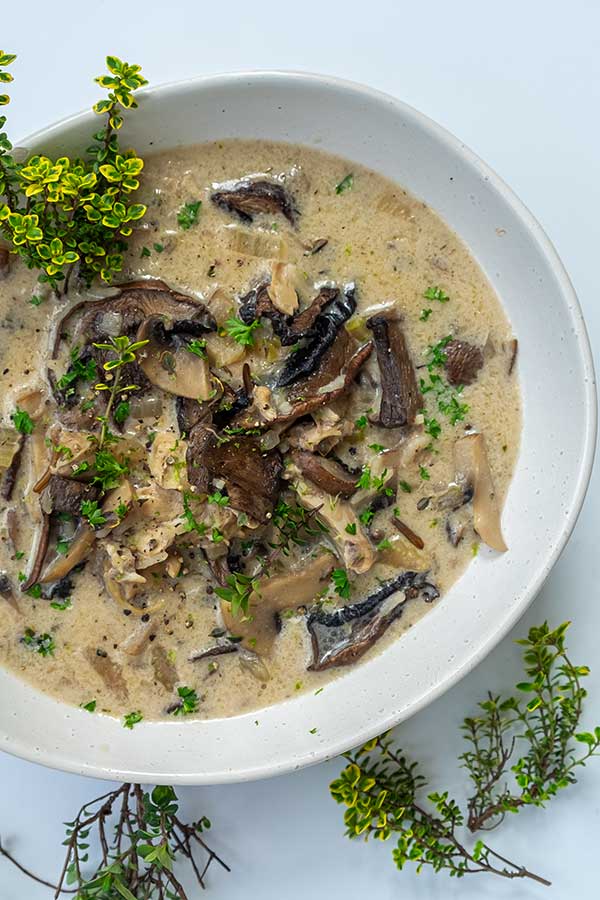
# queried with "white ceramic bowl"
point(557, 379)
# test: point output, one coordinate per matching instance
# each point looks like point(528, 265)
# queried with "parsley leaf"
point(436, 293)
point(132, 719)
point(188, 214)
point(91, 512)
point(198, 348)
point(345, 184)
point(22, 421)
point(90, 706)
point(189, 702)
point(40, 643)
point(240, 332)
point(341, 583)
point(351, 528)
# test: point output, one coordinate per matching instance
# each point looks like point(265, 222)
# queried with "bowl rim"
point(56, 758)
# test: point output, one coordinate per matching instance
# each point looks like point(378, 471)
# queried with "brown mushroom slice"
point(324, 473)
point(463, 362)
point(355, 549)
point(400, 398)
point(79, 547)
point(257, 304)
point(168, 363)
point(39, 553)
point(248, 198)
point(123, 312)
point(108, 671)
point(11, 451)
point(65, 495)
point(296, 588)
point(340, 638)
point(513, 349)
point(403, 554)
point(473, 470)
point(163, 668)
point(251, 476)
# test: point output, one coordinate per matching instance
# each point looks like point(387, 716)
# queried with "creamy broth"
point(130, 656)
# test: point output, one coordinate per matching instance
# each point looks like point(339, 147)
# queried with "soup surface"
point(301, 456)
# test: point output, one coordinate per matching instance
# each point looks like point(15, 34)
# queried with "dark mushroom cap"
point(247, 198)
point(65, 495)
point(341, 637)
point(325, 473)
point(400, 399)
point(251, 477)
point(463, 362)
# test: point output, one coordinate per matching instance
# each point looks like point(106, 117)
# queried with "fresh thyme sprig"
point(547, 723)
point(138, 855)
point(382, 790)
point(124, 352)
point(61, 212)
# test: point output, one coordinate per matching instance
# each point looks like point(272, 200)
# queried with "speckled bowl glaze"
point(557, 379)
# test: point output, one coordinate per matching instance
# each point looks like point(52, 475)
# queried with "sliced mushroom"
point(257, 304)
point(109, 671)
point(11, 451)
point(162, 667)
point(39, 552)
point(247, 198)
point(79, 547)
point(251, 476)
point(473, 471)
point(323, 333)
point(166, 460)
point(355, 548)
point(341, 637)
point(65, 495)
point(125, 311)
point(400, 398)
point(167, 361)
point(513, 349)
point(281, 288)
point(463, 362)
point(408, 533)
point(298, 587)
point(403, 554)
point(324, 473)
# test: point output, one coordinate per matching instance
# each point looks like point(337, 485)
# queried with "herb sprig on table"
point(384, 793)
point(382, 790)
point(58, 213)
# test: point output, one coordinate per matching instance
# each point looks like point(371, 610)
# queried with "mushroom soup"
point(265, 453)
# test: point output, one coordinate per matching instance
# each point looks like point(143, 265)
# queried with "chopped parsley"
point(351, 528)
point(188, 214)
point(189, 702)
point(384, 544)
point(121, 511)
point(218, 498)
point(345, 184)
point(361, 422)
point(40, 643)
point(192, 523)
point(447, 398)
point(35, 591)
point(121, 412)
point(432, 427)
point(405, 486)
point(238, 593)
point(377, 448)
point(36, 301)
point(425, 313)
point(365, 478)
point(217, 536)
point(424, 473)
point(79, 369)
point(90, 706)
point(145, 252)
point(159, 248)
point(109, 471)
point(91, 511)
point(197, 347)
point(436, 293)
point(62, 604)
point(341, 583)
point(366, 516)
point(62, 546)
point(22, 421)
point(132, 719)
point(240, 332)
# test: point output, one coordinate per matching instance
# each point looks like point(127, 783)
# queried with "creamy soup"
point(302, 454)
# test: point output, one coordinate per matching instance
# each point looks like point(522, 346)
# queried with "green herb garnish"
point(198, 348)
point(188, 214)
point(345, 184)
point(341, 583)
point(189, 702)
point(91, 511)
point(241, 332)
point(90, 706)
point(40, 643)
point(351, 528)
point(61, 604)
point(238, 592)
point(436, 293)
point(132, 719)
point(22, 421)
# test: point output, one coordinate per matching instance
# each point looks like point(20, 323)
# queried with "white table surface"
point(520, 83)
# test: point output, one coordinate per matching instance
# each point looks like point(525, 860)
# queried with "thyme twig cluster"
point(141, 838)
point(61, 212)
point(383, 791)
